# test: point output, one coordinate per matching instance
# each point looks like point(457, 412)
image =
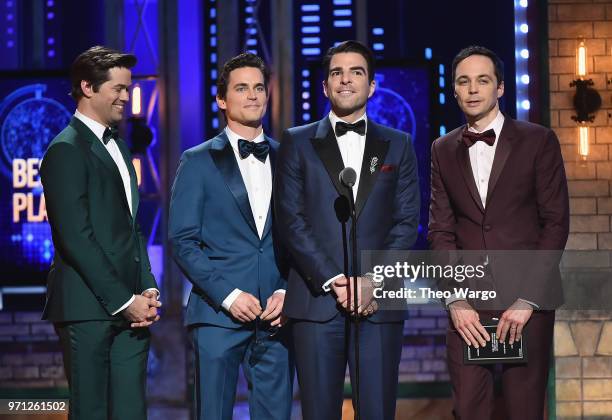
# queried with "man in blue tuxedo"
point(220, 229)
point(387, 206)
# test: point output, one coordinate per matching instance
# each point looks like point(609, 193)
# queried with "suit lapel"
point(101, 153)
point(502, 151)
point(225, 161)
point(463, 159)
point(374, 155)
point(272, 155)
point(326, 147)
point(133, 178)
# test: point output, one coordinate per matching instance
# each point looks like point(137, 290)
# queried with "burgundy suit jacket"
point(527, 205)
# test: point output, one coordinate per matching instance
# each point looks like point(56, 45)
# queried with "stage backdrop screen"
point(33, 110)
point(404, 99)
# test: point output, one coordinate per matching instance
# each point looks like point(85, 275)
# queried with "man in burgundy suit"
point(498, 184)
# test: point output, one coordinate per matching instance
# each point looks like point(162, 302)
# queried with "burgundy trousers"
point(524, 385)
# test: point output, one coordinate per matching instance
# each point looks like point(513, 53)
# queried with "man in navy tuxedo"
point(387, 206)
point(221, 233)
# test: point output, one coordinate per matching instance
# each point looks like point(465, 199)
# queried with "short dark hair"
point(242, 60)
point(350, 46)
point(498, 64)
point(93, 65)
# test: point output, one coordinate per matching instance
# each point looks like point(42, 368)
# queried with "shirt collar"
point(233, 137)
point(333, 119)
point(496, 125)
point(94, 126)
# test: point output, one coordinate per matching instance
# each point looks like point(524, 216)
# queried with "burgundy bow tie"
point(469, 137)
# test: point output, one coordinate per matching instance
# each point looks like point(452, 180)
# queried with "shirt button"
point(259, 217)
point(482, 180)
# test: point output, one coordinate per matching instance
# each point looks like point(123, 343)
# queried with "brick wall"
point(30, 356)
point(583, 339)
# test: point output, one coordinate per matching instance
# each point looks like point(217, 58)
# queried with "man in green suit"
point(101, 295)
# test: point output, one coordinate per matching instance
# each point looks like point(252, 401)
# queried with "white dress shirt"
point(352, 146)
point(257, 178)
point(113, 150)
point(481, 157)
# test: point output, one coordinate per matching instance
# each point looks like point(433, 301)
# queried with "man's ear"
point(372, 88)
point(87, 88)
point(325, 89)
point(221, 103)
point(500, 89)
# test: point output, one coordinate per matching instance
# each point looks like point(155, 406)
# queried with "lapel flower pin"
point(373, 164)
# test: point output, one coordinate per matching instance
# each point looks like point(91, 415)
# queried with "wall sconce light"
point(586, 100)
point(583, 142)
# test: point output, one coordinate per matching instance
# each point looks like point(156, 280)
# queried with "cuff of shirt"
point(227, 302)
point(529, 302)
point(283, 291)
point(451, 300)
point(153, 289)
point(327, 284)
point(125, 305)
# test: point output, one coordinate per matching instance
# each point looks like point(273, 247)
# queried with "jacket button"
point(487, 228)
point(261, 250)
point(137, 259)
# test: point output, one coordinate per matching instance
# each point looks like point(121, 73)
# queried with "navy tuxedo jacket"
point(305, 189)
point(213, 234)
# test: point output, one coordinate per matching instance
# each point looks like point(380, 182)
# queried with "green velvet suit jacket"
point(100, 256)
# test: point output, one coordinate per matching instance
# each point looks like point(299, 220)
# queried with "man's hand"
point(514, 320)
point(142, 312)
point(274, 307)
point(467, 323)
point(246, 307)
point(153, 316)
point(343, 289)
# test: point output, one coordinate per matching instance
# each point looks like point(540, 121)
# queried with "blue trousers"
point(265, 361)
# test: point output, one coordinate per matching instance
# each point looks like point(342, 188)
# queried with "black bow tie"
point(359, 127)
point(469, 137)
point(259, 150)
point(110, 133)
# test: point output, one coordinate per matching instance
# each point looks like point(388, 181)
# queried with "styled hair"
point(350, 46)
point(93, 65)
point(498, 64)
point(242, 60)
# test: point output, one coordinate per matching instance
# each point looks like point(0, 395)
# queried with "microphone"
point(348, 177)
point(342, 208)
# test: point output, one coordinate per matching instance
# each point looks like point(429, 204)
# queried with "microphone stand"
point(355, 297)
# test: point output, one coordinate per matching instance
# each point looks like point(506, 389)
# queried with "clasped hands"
point(142, 312)
point(246, 308)
point(467, 323)
point(343, 289)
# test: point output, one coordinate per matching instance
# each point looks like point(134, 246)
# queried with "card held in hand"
point(494, 351)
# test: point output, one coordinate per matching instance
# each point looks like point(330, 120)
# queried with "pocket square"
point(387, 168)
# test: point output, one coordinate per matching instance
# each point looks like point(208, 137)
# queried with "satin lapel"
point(463, 159)
point(133, 178)
point(223, 156)
point(504, 147)
point(270, 215)
point(326, 147)
point(374, 155)
point(101, 153)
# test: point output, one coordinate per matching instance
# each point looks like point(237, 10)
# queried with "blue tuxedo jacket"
point(305, 189)
point(213, 234)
